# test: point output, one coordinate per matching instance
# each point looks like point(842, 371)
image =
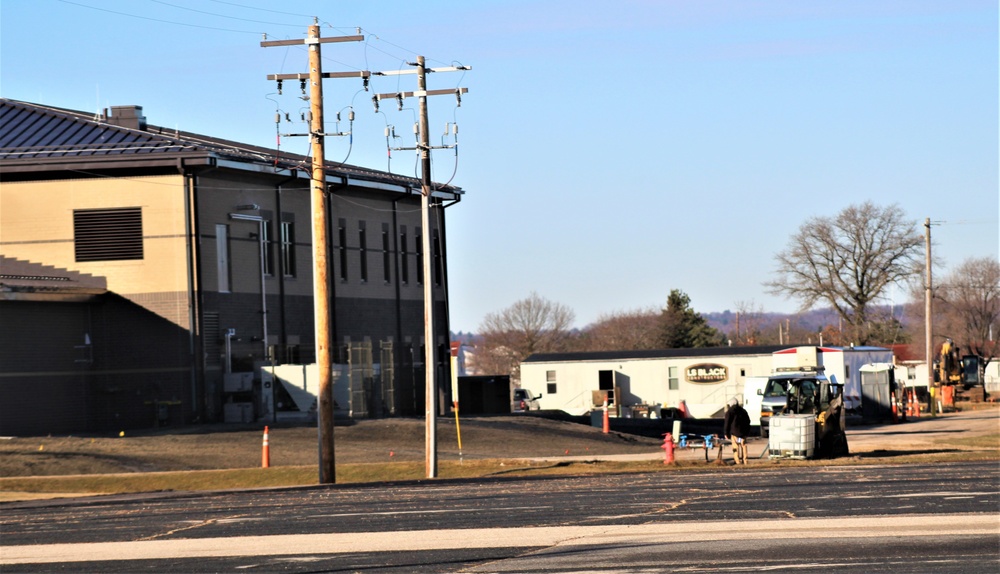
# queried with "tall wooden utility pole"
point(321, 284)
point(430, 387)
point(424, 147)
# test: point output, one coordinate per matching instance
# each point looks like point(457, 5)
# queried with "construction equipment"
point(807, 391)
point(963, 373)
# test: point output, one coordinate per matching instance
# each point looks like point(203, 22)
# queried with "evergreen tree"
point(682, 328)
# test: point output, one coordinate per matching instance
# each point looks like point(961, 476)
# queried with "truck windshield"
point(776, 388)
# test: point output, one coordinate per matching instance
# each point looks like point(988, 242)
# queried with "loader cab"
point(796, 392)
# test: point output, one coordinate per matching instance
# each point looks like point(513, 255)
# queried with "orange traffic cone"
point(916, 403)
point(895, 413)
point(265, 455)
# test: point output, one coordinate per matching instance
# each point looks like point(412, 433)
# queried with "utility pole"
point(928, 332)
point(321, 285)
point(424, 147)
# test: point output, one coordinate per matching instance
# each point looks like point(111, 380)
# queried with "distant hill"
point(725, 321)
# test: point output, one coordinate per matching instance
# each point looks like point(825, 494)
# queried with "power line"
point(221, 15)
point(262, 9)
point(159, 19)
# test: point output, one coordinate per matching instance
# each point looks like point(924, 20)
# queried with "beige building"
point(139, 265)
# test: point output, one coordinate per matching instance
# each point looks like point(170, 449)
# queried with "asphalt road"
point(915, 518)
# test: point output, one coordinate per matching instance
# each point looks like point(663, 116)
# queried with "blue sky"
point(610, 152)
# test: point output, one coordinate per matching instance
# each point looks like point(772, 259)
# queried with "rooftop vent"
point(127, 117)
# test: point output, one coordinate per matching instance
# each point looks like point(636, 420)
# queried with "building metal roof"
point(37, 139)
point(653, 354)
point(680, 353)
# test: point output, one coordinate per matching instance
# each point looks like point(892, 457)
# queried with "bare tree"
point(970, 306)
point(848, 261)
point(749, 324)
point(623, 330)
point(531, 325)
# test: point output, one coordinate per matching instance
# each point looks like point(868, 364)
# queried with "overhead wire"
point(369, 44)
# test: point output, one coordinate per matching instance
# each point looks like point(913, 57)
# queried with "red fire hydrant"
point(668, 448)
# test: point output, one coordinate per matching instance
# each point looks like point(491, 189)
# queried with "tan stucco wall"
point(36, 224)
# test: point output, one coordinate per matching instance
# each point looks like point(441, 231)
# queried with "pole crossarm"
point(421, 93)
point(329, 40)
point(325, 75)
point(415, 71)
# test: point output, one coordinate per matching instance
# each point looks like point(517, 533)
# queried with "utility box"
point(237, 412)
point(237, 382)
point(792, 436)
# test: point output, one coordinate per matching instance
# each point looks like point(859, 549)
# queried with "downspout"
point(280, 268)
point(192, 249)
point(444, 283)
point(198, 299)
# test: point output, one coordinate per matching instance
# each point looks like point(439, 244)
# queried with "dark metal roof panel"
point(33, 132)
point(653, 354)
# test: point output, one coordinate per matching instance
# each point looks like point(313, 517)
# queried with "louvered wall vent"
point(108, 234)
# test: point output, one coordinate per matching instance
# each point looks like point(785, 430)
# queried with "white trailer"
point(699, 381)
point(842, 365)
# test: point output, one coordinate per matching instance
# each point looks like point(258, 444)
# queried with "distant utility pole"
point(928, 331)
point(424, 146)
point(321, 285)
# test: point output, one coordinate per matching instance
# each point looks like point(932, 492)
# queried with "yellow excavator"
point(964, 373)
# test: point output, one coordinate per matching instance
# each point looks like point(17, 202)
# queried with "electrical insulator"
point(277, 117)
point(375, 102)
point(416, 128)
point(302, 116)
point(338, 117)
point(365, 83)
point(302, 86)
point(288, 118)
point(456, 130)
point(279, 87)
point(399, 101)
point(458, 97)
point(386, 131)
point(447, 128)
point(350, 115)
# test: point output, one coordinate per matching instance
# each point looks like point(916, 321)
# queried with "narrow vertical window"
point(673, 383)
point(419, 248)
point(342, 240)
point(268, 252)
point(436, 250)
point(404, 256)
point(288, 248)
point(363, 250)
point(222, 256)
point(386, 255)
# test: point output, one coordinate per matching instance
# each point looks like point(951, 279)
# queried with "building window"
point(673, 383)
point(107, 234)
point(288, 248)
point(437, 257)
point(386, 255)
point(363, 250)
point(268, 252)
point(403, 256)
point(342, 239)
point(550, 380)
point(222, 256)
point(419, 248)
